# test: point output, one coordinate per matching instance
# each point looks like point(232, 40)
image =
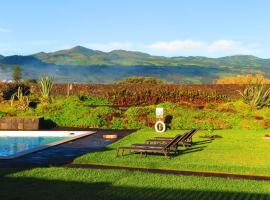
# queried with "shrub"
point(244, 79)
point(117, 123)
point(92, 100)
point(138, 117)
point(22, 101)
point(2, 114)
point(70, 112)
point(45, 85)
point(256, 95)
point(225, 107)
point(251, 124)
point(7, 90)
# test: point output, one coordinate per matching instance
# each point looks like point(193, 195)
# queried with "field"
point(62, 183)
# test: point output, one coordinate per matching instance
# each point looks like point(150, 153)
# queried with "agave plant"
point(256, 95)
point(45, 85)
point(22, 99)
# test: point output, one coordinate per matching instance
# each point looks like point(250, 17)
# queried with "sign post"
point(159, 113)
point(160, 126)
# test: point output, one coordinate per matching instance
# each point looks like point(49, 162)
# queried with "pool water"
point(13, 145)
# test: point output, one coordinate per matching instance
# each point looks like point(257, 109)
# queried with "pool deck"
point(65, 153)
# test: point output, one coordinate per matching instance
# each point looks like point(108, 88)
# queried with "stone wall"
point(16, 123)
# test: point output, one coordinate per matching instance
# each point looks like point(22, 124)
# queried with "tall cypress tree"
point(17, 74)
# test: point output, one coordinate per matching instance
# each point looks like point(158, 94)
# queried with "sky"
point(212, 28)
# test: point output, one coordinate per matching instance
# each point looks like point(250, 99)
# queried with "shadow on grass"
point(172, 155)
point(202, 142)
point(191, 150)
point(31, 188)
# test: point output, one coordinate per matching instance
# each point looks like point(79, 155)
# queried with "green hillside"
point(80, 64)
point(82, 56)
point(87, 57)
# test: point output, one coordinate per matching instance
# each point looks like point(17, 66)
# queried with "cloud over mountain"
point(185, 47)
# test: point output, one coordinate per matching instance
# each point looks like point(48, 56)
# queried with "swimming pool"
point(14, 144)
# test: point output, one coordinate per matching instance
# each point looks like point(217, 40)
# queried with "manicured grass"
point(62, 183)
point(239, 152)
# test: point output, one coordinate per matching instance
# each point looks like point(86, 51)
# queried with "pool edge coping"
point(46, 146)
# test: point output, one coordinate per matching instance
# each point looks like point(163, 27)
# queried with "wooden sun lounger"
point(143, 150)
point(166, 149)
point(180, 139)
point(161, 140)
point(170, 138)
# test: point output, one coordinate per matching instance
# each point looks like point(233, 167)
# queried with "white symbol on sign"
point(159, 112)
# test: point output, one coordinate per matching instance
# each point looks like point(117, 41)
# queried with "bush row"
point(141, 94)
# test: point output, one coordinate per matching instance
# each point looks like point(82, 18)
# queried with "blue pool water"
point(12, 145)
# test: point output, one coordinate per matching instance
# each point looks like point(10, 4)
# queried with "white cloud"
point(4, 30)
point(177, 45)
point(229, 46)
point(185, 47)
point(195, 47)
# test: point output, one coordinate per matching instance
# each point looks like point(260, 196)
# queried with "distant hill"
point(229, 61)
point(86, 57)
point(80, 64)
point(20, 60)
point(82, 56)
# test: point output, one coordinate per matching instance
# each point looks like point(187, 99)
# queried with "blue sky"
point(160, 27)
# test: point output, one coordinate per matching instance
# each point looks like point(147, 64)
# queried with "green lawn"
point(239, 151)
point(62, 183)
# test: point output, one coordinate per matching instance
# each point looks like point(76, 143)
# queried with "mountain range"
point(80, 64)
